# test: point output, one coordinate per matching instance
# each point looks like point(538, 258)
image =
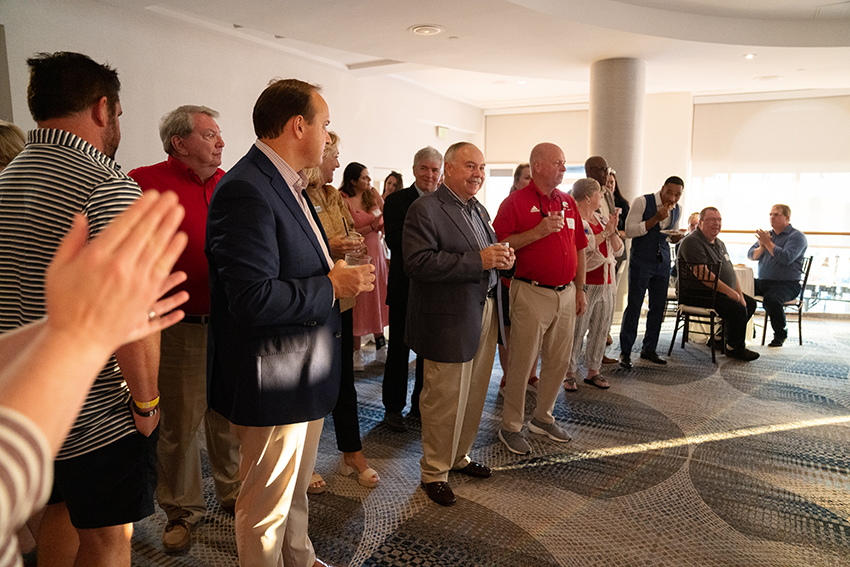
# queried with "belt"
point(196, 319)
point(538, 284)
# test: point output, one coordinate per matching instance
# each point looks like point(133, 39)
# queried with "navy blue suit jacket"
point(274, 350)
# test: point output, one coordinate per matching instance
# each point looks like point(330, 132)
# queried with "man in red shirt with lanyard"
point(192, 139)
point(544, 226)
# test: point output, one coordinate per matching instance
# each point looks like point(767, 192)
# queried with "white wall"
point(667, 139)
point(164, 63)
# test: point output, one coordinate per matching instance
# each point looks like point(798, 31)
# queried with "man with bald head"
point(453, 315)
point(544, 226)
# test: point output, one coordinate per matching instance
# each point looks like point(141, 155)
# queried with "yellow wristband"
point(147, 405)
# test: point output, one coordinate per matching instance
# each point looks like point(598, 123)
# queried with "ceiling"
point(514, 53)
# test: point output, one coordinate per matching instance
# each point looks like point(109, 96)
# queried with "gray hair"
point(181, 122)
point(427, 153)
point(584, 188)
point(455, 148)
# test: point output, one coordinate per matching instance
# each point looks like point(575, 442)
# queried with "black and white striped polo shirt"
point(59, 174)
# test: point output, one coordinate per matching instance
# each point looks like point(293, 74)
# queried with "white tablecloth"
point(745, 278)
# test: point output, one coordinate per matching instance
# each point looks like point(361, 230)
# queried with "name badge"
point(377, 213)
point(571, 223)
point(318, 208)
point(727, 257)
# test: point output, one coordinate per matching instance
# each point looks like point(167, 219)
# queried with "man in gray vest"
point(650, 218)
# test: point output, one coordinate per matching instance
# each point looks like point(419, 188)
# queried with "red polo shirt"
point(194, 195)
point(552, 260)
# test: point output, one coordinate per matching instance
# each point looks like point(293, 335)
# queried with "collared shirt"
point(786, 262)
point(553, 259)
point(418, 190)
point(475, 221)
point(298, 185)
point(696, 248)
point(636, 226)
point(57, 175)
point(194, 195)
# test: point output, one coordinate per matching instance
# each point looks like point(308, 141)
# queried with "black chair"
point(697, 293)
point(797, 304)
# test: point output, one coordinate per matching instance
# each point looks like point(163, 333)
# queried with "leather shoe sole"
point(652, 357)
point(440, 492)
point(475, 469)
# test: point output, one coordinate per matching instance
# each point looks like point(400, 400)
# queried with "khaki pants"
point(183, 403)
point(272, 509)
point(540, 319)
point(451, 403)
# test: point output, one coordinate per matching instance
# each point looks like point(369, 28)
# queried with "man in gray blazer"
point(453, 315)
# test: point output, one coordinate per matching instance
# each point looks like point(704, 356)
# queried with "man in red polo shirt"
point(544, 226)
point(192, 139)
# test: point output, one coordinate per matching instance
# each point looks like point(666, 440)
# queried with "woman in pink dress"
point(366, 206)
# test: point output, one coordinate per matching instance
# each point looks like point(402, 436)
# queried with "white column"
point(617, 89)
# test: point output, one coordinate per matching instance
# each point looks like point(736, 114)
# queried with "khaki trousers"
point(270, 517)
point(183, 403)
point(541, 319)
point(451, 403)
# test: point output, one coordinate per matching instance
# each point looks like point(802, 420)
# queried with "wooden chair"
point(700, 285)
point(797, 304)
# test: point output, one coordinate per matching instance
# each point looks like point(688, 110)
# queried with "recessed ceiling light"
point(425, 29)
point(767, 78)
point(520, 82)
point(749, 55)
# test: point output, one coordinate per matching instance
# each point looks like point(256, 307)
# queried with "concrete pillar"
point(617, 90)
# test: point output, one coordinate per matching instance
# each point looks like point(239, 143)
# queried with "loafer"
point(608, 360)
point(551, 430)
point(395, 421)
point(475, 469)
point(626, 361)
point(652, 357)
point(440, 492)
point(515, 442)
point(177, 536)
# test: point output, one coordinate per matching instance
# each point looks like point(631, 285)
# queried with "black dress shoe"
point(776, 342)
point(440, 492)
point(652, 357)
point(475, 469)
point(395, 421)
point(626, 361)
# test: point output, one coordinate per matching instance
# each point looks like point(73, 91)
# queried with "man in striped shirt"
point(105, 472)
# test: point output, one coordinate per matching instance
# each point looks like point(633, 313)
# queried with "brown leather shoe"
point(440, 492)
point(475, 469)
point(608, 360)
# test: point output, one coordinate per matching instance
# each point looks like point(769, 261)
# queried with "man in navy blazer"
point(453, 315)
point(274, 346)
point(427, 167)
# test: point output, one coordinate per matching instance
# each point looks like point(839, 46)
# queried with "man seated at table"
point(735, 308)
point(780, 255)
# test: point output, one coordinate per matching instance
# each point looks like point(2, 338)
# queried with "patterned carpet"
point(685, 464)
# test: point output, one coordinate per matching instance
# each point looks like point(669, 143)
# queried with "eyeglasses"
point(540, 205)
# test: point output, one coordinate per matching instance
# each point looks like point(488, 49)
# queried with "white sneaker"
point(358, 360)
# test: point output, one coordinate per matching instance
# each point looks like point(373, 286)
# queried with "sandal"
point(317, 484)
point(367, 479)
point(570, 384)
point(598, 381)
